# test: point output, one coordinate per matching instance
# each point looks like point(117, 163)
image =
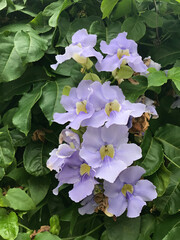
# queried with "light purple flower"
point(65, 151)
point(82, 47)
point(88, 205)
point(77, 105)
point(128, 192)
point(110, 106)
point(106, 150)
point(120, 51)
point(77, 172)
point(150, 108)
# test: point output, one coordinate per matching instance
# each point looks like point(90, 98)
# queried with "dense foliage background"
point(31, 34)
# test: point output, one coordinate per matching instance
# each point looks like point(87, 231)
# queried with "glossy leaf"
point(35, 157)
point(107, 7)
point(22, 118)
point(156, 78)
point(7, 150)
point(135, 28)
point(123, 8)
point(3, 4)
point(9, 226)
point(152, 154)
point(46, 236)
point(174, 75)
point(19, 200)
point(173, 234)
point(152, 19)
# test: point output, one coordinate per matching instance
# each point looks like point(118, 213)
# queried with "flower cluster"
point(99, 167)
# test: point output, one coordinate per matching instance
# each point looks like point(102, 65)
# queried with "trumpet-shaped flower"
point(81, 48)
point(110, 106)
point(77, 105)
point(120, 51)
point(77, 172)
point(59, 155)
point(128, 192)
point(106, 150)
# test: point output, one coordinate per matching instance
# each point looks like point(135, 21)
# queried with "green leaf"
point(32, 75)
point(123, 8)
point(174, 75)
point(107, 7)
point(125, 228)
point(135, 27)
point(30, 46)
point(156, 78)
point(19, 139)
point(106, 33)
point(152, 19)
point(169, 202)
point(104, 236)
point(132, 92)
point(173, 234)
point(23, 236)
point(7, 150)
point(51, 96)
point(9, 226)
point(46, 236)
point(124, 72)
point(38, 188)
point(11, 65)
point(66, 90)
point(54, 10)
point(92, 76)
point(22, 118)
point(35, 157)
point(165, 225)
point(2, 173)
point(7, 118)
point(19, 200)
point(161, 179)
point(40, 23)
point(3, 4)
point(169, 137)
point(152, 154)
point(147, 226)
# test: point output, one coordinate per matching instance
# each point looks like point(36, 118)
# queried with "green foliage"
point(32, 33)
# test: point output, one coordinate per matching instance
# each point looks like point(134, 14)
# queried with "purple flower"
point(64, 152)
point(150, 108)
point(106, 150)
point(128, 192)
point(77, 172)
point(82, 47)
point(110, 106)
point(120, 51)
point(88, 205)
point(77, 105)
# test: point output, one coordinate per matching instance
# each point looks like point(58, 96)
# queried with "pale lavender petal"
point(115, 135)
point(89, 205)
point(69, 137)
point(93, 159)
point(128, 153)
point(54, 66)
point(119, 94)
point(110, 49)
point(54, 162)
point(137, 108)
point(65, 151)
point(108, 91)
point(112, 189)
point(56, 190)
point(62, 118)
point(108, 64)
point(119, 118)
point(131, 175)
point(82, 189)
point(69, 175)
point(135, 205)
point(146, 190)
point(92, 139)
point(117, 205)
point(69, 102)
point(84, 89)
point(90, 52)
point(82, 36)
point(110, 169)
point(136, 64)
point(97, 120)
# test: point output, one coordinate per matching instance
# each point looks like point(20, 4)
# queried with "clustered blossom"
point(99, 167)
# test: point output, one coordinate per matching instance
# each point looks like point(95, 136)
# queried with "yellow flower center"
point(107, 150)
point(81, 107)
point(112, 106)
point(127, 188)
point(84, 169)
point(71, 144)
point(121, 53)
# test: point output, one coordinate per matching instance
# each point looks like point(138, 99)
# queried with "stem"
point(86, 234)
point(146, 44)
point(157, 32)
point(171, 161)
point(21, 225)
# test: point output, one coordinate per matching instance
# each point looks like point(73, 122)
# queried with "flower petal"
point(86, 40)
point(131, 175)
point(108, 64)
point(117, 205)
point(146, 190)
point(135, 205)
